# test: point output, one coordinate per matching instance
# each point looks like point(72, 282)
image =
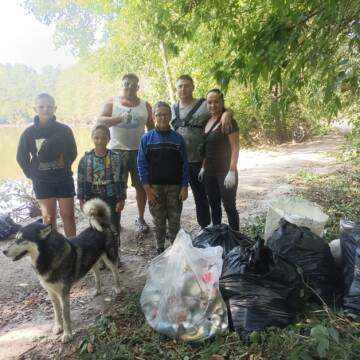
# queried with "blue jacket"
point(162, 159)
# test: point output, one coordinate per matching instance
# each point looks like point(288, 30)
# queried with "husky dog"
point(60, 262)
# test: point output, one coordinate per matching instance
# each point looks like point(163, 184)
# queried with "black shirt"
point(45, 153)
point(218, 150)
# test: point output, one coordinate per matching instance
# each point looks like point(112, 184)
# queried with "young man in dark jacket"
point(45, 153)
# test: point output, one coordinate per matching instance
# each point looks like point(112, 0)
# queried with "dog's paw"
point(57, 329)
point(66, 338)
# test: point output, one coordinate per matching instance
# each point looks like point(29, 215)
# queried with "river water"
point(9, 139)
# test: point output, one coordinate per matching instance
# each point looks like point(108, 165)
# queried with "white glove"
point(230, 180)
point(201, 174)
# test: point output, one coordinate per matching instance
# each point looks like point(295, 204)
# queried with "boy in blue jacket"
point(164, 174)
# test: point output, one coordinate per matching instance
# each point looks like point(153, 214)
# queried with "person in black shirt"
point(45, 153)
point(221, 152)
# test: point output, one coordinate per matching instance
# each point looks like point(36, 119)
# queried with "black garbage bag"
point(260, 288)
point(221, 235)
point(350, 252)
point(7, 227)
point(307, 250)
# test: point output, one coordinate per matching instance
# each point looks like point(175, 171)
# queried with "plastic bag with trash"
point(221, 235)
point(181, 297)
point(297, 211)
point(310, 252)
point(260, 288)
point(350, 249)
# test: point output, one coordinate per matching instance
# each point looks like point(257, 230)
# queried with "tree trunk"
point(168, 78)
point(280, 125)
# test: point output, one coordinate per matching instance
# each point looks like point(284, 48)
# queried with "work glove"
point(201, 174)
point(230, 180)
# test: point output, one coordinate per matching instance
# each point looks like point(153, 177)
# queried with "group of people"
point(194, 141)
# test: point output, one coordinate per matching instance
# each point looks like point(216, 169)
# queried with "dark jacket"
point(46, 153)
point(162, 159)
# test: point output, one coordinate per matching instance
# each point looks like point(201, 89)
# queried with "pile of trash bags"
point(260, 289)
point(223, 279)
point(221, 235)
point(181, 297)
point(312, 255)
point(350, 251)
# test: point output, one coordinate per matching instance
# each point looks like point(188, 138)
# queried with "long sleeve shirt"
point(162, 159)
point(46, 153)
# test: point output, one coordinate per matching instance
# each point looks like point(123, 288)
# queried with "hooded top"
point(46, 153)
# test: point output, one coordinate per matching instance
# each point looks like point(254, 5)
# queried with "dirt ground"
point(26, 311)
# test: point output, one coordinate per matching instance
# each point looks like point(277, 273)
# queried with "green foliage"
point(338, 194)
point(78, 93)
point(125, 335)
point(280, 62)
point(19, 84)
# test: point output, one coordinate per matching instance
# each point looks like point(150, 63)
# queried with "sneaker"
point(141, 226)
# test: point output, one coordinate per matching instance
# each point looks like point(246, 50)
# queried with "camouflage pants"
point(167, 209)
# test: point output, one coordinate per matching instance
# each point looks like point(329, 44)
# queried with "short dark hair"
point(130, 76)
point(161, 104)
point(44, 96)
point(102, 127)
point(185, 77)
point(217, 91)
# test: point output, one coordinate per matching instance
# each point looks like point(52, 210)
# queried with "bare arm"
point(234, 145)
point(150, 122)
point(226, 124)
point(105, 117)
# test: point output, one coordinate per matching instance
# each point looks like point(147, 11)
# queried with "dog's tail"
point(98, 213)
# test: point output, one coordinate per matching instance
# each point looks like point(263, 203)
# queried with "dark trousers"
point(217, 193)
point(199, 193)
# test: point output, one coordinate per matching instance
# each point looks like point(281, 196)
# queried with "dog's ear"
point(44, 233)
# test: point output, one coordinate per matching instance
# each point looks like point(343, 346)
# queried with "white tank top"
point(127, 134)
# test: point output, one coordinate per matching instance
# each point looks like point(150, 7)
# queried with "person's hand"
point(120, 206)
point(151, 195)
point(230, 179)
point(183, 193)
point(201, 174)
point(226, 124)
point(82, 202)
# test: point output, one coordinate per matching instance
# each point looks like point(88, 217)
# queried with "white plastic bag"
point(296, 210)
point(181, 297)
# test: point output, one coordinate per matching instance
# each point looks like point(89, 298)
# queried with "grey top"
point(194, 130)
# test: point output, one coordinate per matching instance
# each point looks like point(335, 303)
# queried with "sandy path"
point(26, 312)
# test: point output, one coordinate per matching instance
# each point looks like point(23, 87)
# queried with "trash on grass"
point(181, 297)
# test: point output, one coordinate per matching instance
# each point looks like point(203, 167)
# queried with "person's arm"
point(226, 121)
point(80, 193)
point(230, 179)
point(150, 121)
point(234, 145)
point(105, 117)
point(23, 155)
point(143, 170)
point(72, 150)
